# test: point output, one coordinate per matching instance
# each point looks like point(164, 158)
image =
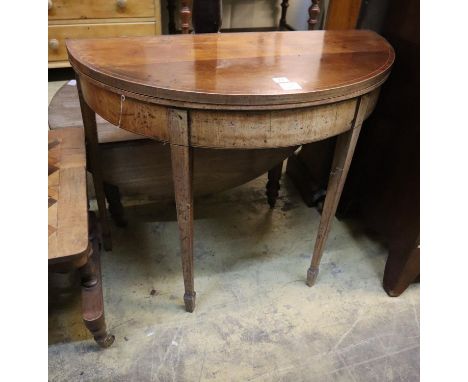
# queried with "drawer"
point(58, 34)
point(100, 9)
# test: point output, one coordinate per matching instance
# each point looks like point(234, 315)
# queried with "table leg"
point(284, 10)
point(92, 300)
point(206, 16)
point(273, 184)
point(170, 12)
point(116, 209)
point(185, 15)
point(343, 155)
point(92, 149)
point(182, 174)
point(314, 12)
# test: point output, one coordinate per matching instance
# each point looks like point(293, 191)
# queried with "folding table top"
point(260, 68)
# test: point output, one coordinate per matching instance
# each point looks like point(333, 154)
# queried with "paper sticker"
point(280, 80)
point(290, 86)
point(72, 82)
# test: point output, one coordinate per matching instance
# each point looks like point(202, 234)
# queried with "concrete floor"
point(255, 319)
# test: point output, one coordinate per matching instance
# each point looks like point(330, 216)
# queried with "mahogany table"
point(232, 91)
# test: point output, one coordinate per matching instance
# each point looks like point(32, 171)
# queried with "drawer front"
point(100, 9)
point(58, 34)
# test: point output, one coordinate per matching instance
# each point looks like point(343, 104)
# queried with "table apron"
point(227, 128)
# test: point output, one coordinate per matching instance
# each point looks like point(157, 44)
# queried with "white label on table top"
point(71, 82)
point(280, 80)
point(290, 86)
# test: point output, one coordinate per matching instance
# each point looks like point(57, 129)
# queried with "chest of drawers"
point(104, 18)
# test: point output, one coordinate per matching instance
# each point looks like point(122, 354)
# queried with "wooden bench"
point(73, 233)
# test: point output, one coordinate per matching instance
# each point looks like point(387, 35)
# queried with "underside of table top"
point(254, 69)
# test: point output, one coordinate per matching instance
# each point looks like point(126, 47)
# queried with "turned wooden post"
point(273, 184)
point(116, 208)
point(92, 299)
point(314, 12)
point(185, 15)
point(206, 16)
point(284, 10)
point(171, 15)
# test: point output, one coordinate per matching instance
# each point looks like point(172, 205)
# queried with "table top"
point(260, 68)
point(68, 204)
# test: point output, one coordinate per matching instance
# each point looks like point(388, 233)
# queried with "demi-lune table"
point(232, 91)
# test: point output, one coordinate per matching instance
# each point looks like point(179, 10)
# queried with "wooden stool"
point(73, 233)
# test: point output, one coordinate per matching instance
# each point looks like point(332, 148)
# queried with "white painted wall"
point(249, 13)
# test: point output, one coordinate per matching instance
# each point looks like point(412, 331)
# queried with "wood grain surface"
point(225, 128)
point(342, 14)
point(67, 207)
point(238, 69)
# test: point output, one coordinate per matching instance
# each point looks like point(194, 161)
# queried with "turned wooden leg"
point(185, 14)
point(92, 300)
point(206, 16)
point(284, 10)
point(182, 174)
point(314, 12)
point(273, 184)
point(92, 148)
point(171, 17)
point(344, 151)
point(116, 209)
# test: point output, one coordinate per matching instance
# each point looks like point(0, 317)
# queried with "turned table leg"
point(284, 10)
point(171, 17)
point(343, 155)
point(182, 174)
point(92, 300)
point(116, 209)
point(273, 184)
point(185, 14)
point(92, 149)
point(314, 12)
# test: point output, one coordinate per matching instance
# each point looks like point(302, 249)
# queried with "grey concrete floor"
point(255, 319)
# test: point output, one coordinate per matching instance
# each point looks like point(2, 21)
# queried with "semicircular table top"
point(260, 68)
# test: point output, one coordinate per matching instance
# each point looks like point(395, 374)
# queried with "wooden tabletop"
point(68, 207)
point(261, 68)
